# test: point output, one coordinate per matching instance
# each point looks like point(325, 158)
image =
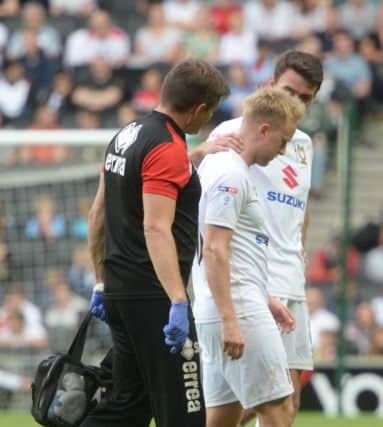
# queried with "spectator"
point(18, 334)
point(88, 120)
point(373, 265)
point(240, 87)
point(79, 226)
point(9, 8)
point(46, 223)
point(377, 309)
point(59, 98)
point(270, 19)
point(100, 90)
point(321, 320)
point(358, 17)
point(324, 266)
point(3, 41)
point(102, 38)
point(221, 12)
point(39, 69)
point(5, 270)
point(14, 91)
point(262, 70)
point(182, 14)
point(358, 333)
point(147, 95)
point(372, 53)
point(203, 42)
point(347, 67)
point(377, 341)
point(126, 114)
point(238, 35)
point(15, 301)
point(63, 317)
point(326, 349)
point(81, 277)
point(48, 38)
point(157, 42)
point(81, 8)
point(45, 154)
point(309, 19)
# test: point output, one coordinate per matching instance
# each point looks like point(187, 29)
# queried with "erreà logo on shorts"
point(191, 376)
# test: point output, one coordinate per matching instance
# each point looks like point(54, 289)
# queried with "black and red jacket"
point(147, 156)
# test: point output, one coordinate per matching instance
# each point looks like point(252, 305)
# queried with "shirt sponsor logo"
point(115, 164)
point(225, 189)
point(290, 176)
point(261, 239)
point(286, 199)
point(191, 376)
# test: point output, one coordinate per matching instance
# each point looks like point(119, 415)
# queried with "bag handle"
point(77, 347)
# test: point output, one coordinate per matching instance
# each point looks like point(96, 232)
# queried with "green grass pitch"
point(309, 419)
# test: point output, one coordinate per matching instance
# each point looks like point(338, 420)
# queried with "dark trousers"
point(148, 381)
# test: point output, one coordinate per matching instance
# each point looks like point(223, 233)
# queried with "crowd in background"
point(91, 64)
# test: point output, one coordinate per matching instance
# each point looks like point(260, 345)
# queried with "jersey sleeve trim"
point(166, 168)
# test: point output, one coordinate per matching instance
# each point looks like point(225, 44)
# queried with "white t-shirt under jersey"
point(229, 199)
point(282, 186)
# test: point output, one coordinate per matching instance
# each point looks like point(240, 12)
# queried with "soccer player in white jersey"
point(283, 187)
point(243, 357)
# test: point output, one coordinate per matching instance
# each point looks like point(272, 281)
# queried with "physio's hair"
point(274, 104)
point(305, 64)
point(193, 82)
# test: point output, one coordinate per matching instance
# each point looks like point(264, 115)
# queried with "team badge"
point(126, 137)
point(301, 154)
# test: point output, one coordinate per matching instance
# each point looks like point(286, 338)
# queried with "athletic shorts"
point(298, 343)
point(261, 375)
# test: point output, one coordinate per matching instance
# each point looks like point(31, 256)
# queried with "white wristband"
point(98, 287)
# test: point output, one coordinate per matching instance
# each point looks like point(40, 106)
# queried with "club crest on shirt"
point(126, 137)
point(301, 154)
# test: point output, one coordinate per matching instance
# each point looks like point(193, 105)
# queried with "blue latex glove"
point(177, 330)
point(97, 305)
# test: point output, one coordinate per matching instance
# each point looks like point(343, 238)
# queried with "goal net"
point(47, 182)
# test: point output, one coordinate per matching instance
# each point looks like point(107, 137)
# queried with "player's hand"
point(233, 343)
point(177, 330)
point(97, 302)
point(282, 315)
point(224, 143)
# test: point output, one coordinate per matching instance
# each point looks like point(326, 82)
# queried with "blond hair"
point(273, 103)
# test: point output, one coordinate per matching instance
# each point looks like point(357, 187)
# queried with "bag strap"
point(77, 347)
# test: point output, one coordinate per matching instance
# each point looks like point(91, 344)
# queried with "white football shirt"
point(229, 199)
point(283, 187)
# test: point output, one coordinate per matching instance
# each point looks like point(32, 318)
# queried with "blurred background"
point(89, 65)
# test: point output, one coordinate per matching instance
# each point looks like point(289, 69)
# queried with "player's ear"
point(200, 109)
point(264, 128)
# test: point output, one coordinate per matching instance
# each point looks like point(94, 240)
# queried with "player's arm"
point(159, 212)
point(96, 230)
point(165, 171)
point(224, 201)
point(213, 145)
point(217, 266)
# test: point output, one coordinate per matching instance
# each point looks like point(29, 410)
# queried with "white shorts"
point(261, 375)
point(298, 343)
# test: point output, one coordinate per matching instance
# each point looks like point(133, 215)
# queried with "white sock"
point(256, 422)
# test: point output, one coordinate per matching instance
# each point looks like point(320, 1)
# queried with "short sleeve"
point(225, 199)
point(166, 169)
